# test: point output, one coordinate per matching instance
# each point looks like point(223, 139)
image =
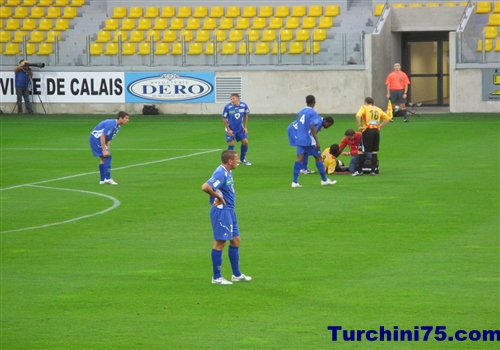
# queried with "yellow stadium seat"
point(128, 49)
point(44, 49)
point(120, 36)
point(249, 11)
point(274, 49)
point(12, 3)
point(220, 35)
point(30, 49)
point(176, 49)
point(77, 3)
point(155, 34)
point(193, 24)
point(265, 12)
point(483, 7)
point(261, 48)
point(235, 35)
point(268, 35)
point(127, 24)
point(111, 24)
point(52, 35)
point(30, 24)
point(195, 49)
point(45, 3)
point(325, 22)
point(292, 23)
point(496, 7)
point(286, 35)
point(315, 11)
point(136, 36)
point(29, 3)
point(494, 19)
point(35, 36)
point(415, 5)
point(488, 47)
point(20, 12)
point(37, 12)
point(378, 9)
point(253, 35)
point(398, 5)
point(226, 23)
point(69, 13)
point(275, 23)
point(242, 23)
point(169, 36)
point(209, 49)
point(200, 12)
point(176, 24)
point(316, 47)
point(259, 23)
point(296, 48)
point(186, 34)
point(5, 37)
point(432, 4)
point(53, 12)
point(216, 12)
point(332, 10)
point(242, 49)
point(135, 12)
point(282, 11)
point(5, 12)
point(449, 3)
point(96, 49)
point(151, 12)
point(202, 36)
point(160, 24)
point(308, 23)
point(464, 3)
point(18, 36)
point(298, 11)
point(183, 12)
point(319, 34)
point(162, 49)
point(228, 49)
point(302, 35)
point(497, 45)
point(209, 24)
point(11, 49)
point(143, 24)
point(144, 49)
point(233, 11)
point(167, 12)
point(491, 32)
point(12, 24)
point(119, 12)
point(61, 3)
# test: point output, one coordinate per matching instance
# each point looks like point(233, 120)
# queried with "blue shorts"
point(224, 224)
point(95, 146)
point(238, 136)
point(309, 150)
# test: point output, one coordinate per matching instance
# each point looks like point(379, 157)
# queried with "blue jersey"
point(306, 118)
point(235, 114)
point(222, 180)
point(109, 127)
point(22, 78)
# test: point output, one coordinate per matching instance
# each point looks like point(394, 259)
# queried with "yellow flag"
point(389, 109)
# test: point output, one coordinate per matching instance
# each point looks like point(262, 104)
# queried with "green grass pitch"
point(85, 266)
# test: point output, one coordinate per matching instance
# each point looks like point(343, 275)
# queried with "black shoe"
point(406, 120)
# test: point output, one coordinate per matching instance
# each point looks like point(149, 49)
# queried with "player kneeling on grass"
point(220, 187)
point(100, 139)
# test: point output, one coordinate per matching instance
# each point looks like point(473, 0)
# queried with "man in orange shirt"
point(397, 87)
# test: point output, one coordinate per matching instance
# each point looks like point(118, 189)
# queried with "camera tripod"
point(30, 87)
point(414, 108)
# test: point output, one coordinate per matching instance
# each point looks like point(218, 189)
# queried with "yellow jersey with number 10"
point(372, 116)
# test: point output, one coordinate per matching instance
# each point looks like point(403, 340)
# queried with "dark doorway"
point(426, 61)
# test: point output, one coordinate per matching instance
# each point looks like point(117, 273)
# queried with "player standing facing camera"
point(220, 187)
point(235, 118)
point(100, 139)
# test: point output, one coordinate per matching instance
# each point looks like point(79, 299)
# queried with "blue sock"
point(217, 263)
point(296, 170)
point(321, 169)
point(101, 171)
point(243, 152)
point(107, 167)
point(234, 258)
point(230, 148)
point(305, 161)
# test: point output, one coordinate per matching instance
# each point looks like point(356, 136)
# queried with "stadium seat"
point(128, 49)
point(167, 12)
point(127, 24)
point(144, 49)
point(45, 3)
point(432, 4)
point(242, 49)
point(151, 12)
point(265, 12)
point(143, 24)
point(44, 49)
point(319, 34)
point(259, 23)
point(496, 7)
point(325, 22)
point(77, 3)
point(162, 49)
point(176, 49)
point(169, 36)
point(220, 35)
point(12, 3)
point(209, 49)
point(61, 3)
point(398, 5)
point(235, 35)
point(53, 12)
point(200, 12)
point(193, 24)
point(18, 36)
point(155, 34)
point(195, 49)
point(30, 24)
point(35, 36)
point(242, 23)
point(12, 24)
point(316, 48)
point(136, 36)
point(282, 11)
point(216, 12)
point(69, 13)
point(491, 32)
point(292, 23)
point(226, 23)
point(52, 35)
point(176, 24)
point(20, 12)
point(302, 35)
point(308, 23)
point(249, 11)
point(11, 49)
point(415, 5)
point(253, 35)
point(332, 10)
point(186, 34)
point(135, 12)
point(37, 12)
point(160, 24)
point(111, 24)
point(5, 37)
point(483, 7)
point(262, 48)
point(119, 12)
point(202, 36)
point(209, 24)
point(183, 12)
point(296, 48)
point(29, 3)
point(286, 35)
point(274, 49)
point(30, 49)
point(497, 45)
point(275, 23)
point(268, 35)
point(233, 11)
point(450, 4)
point(378, 9)
point(228, 49)
point(315, 11)
point(120, 36)
point(488, 47)
point(5, 12)
point(96, 49)
point(494, 19)
point(298, 11)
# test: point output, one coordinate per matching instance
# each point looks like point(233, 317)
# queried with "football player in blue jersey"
point(100, 139)
point(306, 140)
point(220, 187)
point(235, 118)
